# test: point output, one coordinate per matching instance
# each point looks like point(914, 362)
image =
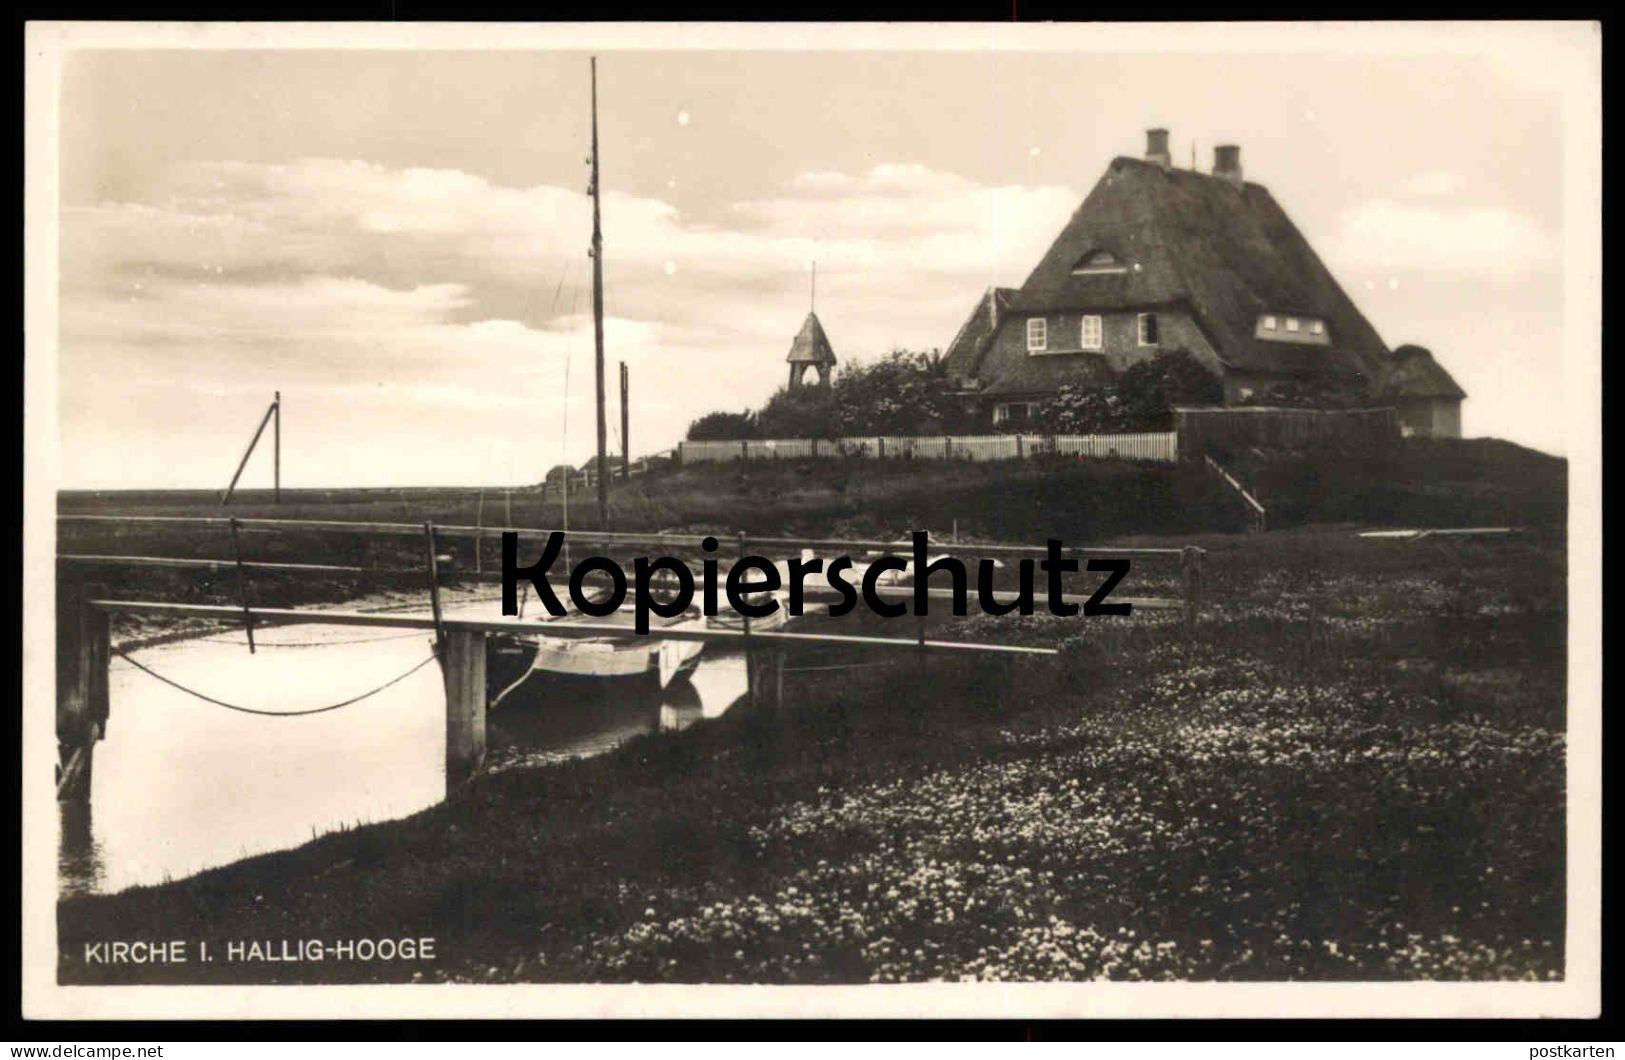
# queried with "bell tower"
point(811, 348)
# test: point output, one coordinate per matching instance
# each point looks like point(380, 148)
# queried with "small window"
point(1148, 329)
point(1269, 323)
point(1244, 394)
point(1091, 333)
point(1317, 328)
point(1014, 412)
point(1037, 337)
point(1292, 323)
point(1099, 261)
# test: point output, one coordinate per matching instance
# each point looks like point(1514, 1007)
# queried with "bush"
point(723, 427)
point(802, 413)
point(905, 392)
point(1141, 399)
point(1309, 394)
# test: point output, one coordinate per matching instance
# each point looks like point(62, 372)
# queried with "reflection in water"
point(180, 785)
point(552, 718)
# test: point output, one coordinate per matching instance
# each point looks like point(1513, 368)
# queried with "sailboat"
point(513, 660)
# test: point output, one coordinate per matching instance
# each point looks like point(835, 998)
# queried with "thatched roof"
point(811, 345)
point(1415, 374)
point(965, 352)
point(1227, 252)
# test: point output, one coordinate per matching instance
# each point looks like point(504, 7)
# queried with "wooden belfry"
point(811, 348)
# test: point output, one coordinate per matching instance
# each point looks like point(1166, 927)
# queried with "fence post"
point(1190, 569)
point(434, 593)
point(1020, 451)
point(464, 674)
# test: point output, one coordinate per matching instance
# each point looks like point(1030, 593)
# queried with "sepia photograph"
point(819, 520)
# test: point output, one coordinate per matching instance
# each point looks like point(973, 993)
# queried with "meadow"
point(1354, 772)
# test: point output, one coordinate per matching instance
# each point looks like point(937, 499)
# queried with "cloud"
point(1433, 184)
point(392, 298)
point(1489, 242)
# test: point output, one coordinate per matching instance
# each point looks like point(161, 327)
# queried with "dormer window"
point(1037, 337)
point(1099, 261)
point(1278, 328)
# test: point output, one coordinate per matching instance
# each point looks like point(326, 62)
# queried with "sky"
point(396, 239)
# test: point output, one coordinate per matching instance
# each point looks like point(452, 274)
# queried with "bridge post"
point(463, 667)
point(81, 695)
point(764, 676)
point(1190, 570)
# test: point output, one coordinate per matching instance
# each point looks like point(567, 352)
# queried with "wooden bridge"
point(85, 648)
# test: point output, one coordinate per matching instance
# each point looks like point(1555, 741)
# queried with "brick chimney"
point(1156, 147)
point(1227, 163)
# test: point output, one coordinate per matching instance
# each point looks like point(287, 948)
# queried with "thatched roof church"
point(1159, 258)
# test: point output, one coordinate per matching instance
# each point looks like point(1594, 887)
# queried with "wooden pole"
point(242, 587)
point(598, 314)
point(1190, 569)
point(434, 594)
point(276, 439)
point(626, 437)
point(226, 498)
point(479, 523)
point(82, 703)
point(463, 666)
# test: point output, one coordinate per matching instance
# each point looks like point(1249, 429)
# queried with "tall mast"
point(598, 313)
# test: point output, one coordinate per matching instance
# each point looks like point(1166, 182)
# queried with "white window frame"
point(1040, 334)
point(1100, 332)
point(1002, 411)
point(1140, 329)
point(1292, 324)
point(1269, 322)
point(1317, 327)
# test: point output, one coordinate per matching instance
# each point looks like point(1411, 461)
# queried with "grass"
point(1356, 772)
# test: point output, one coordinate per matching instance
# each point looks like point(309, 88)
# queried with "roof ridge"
point(1184, 171)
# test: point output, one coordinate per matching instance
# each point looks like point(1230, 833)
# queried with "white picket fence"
point(1161, 447)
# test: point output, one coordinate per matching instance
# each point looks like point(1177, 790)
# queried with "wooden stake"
point(434, 594)
point(626, 443)
point(269, 412)
point(463, 667)
point(1190, 569)
point(276, 439)
point(82, 706)
point(242, 587)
